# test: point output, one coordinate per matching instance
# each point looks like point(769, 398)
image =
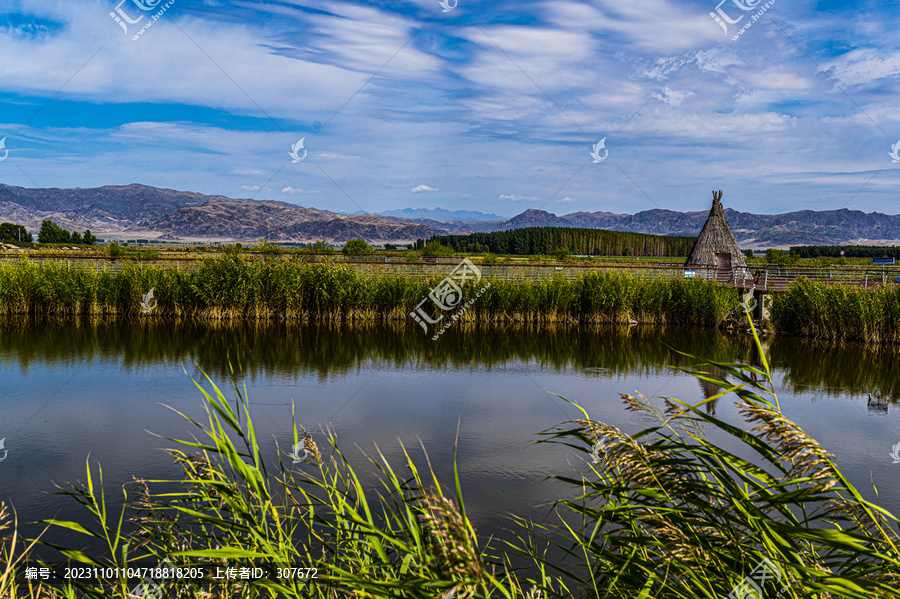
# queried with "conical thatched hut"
point(716, 252)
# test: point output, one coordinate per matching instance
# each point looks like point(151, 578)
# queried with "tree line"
point(50, 233)
point(566, 240)
point(850, 251)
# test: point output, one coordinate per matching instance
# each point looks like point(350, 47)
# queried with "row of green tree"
point(50, 233)
point(10, 232)
point(850, 251)
point(566, 240)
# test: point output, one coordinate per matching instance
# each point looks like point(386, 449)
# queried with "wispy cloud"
point(212, 100)
point(298, 190)
point(514, 198)
point(246, 172)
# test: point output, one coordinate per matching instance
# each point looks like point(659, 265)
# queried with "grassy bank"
point(666, 512)
point(224, 289)
point(838, 312)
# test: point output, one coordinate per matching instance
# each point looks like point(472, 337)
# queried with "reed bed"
point(839, 312)
point(298, 290)
point(689, 506)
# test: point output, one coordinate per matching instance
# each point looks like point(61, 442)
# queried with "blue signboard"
point(882, 260)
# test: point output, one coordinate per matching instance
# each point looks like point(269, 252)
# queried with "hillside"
point(246, 219)
point(441, 214)
point(145, 211)
point(106, 209)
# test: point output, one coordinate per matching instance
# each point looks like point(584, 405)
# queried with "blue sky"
point(487, 106)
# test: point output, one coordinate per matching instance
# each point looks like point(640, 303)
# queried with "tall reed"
point(839, 312)
point(298, 290)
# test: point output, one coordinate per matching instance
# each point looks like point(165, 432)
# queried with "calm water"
point(69, 392)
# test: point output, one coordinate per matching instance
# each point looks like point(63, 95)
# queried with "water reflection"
point(263, 349)
point(88, 387)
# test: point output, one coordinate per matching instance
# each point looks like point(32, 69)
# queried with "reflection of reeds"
point(667, 512)
point(297, 290)
point(822, 368)
point(294, 348)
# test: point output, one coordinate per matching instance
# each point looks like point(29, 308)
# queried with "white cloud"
point(743, 114)
point(297, 190)
point(513, 197)
point(246, 172)
point(673, 97)
point(653, 26)
point(785, 80)
point(126, 71)
point(865, 65)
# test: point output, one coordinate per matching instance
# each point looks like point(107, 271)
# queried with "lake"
point(73, 391)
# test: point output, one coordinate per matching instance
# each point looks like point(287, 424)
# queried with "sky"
point(491, 106)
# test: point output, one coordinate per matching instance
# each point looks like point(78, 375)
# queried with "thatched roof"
point(715, 238)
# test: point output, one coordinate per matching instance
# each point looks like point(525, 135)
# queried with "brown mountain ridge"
point(135, 210)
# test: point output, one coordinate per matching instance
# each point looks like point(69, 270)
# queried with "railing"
point(777, 278)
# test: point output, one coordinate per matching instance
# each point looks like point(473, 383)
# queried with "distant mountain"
point(150, 212)
point(251, 219)
point(108, 208)
point(805, 227)
point(441, 214)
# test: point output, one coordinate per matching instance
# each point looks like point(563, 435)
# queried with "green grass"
point(295, 289)
point(667, 512)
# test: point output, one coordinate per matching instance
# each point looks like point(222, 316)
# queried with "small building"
point(716, 253)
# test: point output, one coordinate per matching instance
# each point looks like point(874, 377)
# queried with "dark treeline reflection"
point(332, 350)
point(833, 369)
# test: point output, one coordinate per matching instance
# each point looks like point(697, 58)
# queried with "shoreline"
point(222, 290)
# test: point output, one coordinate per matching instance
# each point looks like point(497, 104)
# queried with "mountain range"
point(148, 212)
point(442, 214)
